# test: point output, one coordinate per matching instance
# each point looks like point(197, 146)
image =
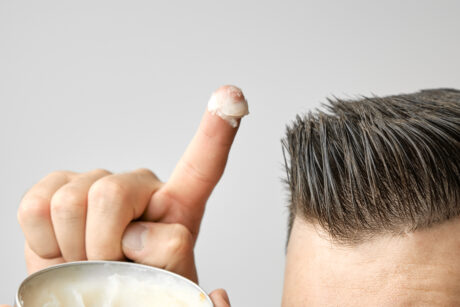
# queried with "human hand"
point(102, 216)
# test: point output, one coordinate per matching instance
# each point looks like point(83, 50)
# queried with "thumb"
point(220, 298)
point(165, 246)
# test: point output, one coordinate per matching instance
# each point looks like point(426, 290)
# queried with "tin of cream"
point(108, 284)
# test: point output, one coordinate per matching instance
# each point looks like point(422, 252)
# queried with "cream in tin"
point(108, 284)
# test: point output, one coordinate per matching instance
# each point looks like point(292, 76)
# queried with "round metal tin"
point(126, 268)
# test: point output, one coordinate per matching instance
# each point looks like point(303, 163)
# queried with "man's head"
point(374, 175)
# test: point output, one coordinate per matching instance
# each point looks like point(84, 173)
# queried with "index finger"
point(204, 160)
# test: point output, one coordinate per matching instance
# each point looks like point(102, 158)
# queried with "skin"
point(414, 269)
point(97, 215)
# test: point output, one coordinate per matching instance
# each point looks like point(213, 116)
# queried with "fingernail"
point(134, 237)
point(229, 103)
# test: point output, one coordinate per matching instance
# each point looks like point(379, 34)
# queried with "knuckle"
point(180, 241)
point(147, 172)
point(33, 207)
point(107, 189)
point(108, 195)
point(68, 204)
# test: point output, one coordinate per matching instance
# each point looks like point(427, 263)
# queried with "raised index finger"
point(204, 160)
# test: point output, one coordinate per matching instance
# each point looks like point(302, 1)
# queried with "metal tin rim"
point(119, 263)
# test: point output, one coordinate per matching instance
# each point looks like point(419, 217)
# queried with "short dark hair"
point(376, 165)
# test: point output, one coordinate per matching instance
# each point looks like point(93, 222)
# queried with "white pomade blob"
point(228, 102)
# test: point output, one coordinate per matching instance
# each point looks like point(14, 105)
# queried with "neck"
point(415, 269)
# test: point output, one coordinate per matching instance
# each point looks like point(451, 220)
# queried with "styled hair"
point(376, 165)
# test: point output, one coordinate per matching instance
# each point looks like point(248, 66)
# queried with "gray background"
point(122, 85)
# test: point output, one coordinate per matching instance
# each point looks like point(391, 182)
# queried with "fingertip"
point(228, 102)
